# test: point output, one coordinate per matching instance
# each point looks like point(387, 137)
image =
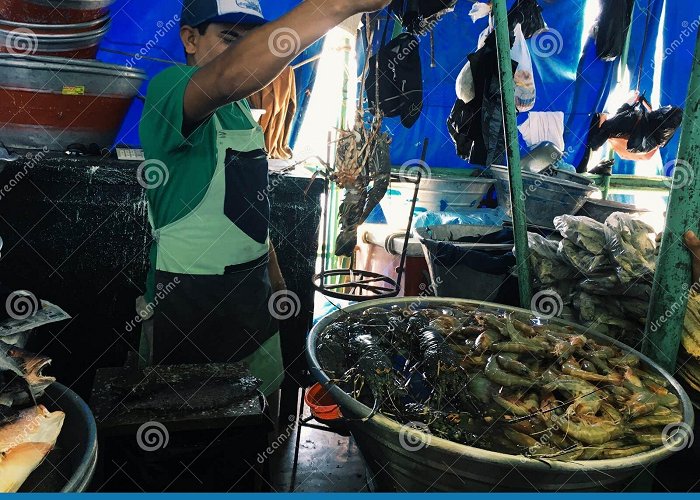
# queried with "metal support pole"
point(517, 196)
point(669, 295)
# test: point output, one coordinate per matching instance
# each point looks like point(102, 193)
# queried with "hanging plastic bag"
point(465, 84)
point(479, 10)
point(610, 30)
point(524, 78)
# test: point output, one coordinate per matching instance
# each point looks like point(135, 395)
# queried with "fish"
point(17, 464)
point(26, 439)
point(21, 377)
point(31, 425)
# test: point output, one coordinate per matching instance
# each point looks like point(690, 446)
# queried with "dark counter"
point(76, 233)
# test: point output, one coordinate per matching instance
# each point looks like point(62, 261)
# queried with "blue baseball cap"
point(196, 12)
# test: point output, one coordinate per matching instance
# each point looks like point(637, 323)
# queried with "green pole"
point(517, 197)
point(669, 294)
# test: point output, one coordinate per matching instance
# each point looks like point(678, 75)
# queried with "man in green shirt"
point(213, 269)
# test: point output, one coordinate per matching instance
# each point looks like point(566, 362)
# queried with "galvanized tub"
point(436, 194)
point(74, 40)
point(405, 459)
point(71, 464)
point(546, 197)
point(600, 209)
point(54, 11)
point(55, 102)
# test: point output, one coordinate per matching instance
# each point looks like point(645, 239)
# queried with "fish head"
point(32, 366)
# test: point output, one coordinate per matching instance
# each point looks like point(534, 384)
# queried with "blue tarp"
point(136, 24)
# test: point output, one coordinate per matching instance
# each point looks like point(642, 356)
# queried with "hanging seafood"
point(362, 158)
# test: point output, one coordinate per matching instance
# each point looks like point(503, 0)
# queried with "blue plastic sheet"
point(136, 25)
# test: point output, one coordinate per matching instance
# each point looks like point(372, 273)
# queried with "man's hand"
point(366, 5)
point(693, 244)
point(255, 60)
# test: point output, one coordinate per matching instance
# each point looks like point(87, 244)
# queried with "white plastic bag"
point(465, 84)
point(479, 10)
point(524, 78)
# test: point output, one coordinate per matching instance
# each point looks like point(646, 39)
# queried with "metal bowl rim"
point(105, 20)
point(52, 63)
point(68, 4)
point(652, 456)
point(547, 178)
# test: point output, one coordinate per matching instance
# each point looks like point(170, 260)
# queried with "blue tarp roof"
point(139, 25)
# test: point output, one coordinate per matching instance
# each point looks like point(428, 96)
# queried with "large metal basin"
point(74, 40)
point(436, 464)
point(53, 11)
point(546, 197)
point(54, 102)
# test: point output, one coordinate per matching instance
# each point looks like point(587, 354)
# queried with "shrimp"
point(499, 376)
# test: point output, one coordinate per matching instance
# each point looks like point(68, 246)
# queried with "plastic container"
point(443, 465)
point(71, 464)
point(321, 403)
point(436, 194)
point(54, 11)
point(546, 197)
point(457, 269)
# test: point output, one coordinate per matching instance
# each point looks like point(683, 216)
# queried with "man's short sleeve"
point(161, 123)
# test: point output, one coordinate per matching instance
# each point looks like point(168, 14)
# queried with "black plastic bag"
point(611, 28)
point(414, 13)
point(400, 79)
point(528, 14)
point(655, 129)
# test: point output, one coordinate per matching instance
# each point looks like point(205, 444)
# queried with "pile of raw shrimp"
point(502, 381)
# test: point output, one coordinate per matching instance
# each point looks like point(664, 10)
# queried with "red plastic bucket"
point(321, 403)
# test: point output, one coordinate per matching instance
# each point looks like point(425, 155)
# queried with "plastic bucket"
point(322, 405)
point(465, 276)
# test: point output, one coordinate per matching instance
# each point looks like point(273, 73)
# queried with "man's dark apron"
point(212, 284)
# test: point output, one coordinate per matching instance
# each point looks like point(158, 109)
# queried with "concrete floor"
point(328, 462)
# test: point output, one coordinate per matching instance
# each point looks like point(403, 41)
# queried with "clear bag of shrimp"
point(632, 245)
point(547, 266)
point(585, 232)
